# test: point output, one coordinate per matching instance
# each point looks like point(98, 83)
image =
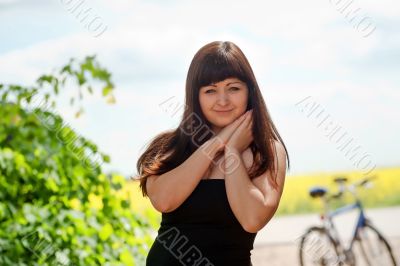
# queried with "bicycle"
point(320, 245)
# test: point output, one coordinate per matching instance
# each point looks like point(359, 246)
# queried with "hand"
point(224, 135)
point(243, 135)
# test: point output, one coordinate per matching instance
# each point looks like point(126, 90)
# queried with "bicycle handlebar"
point(350, 187)
point(364, 181)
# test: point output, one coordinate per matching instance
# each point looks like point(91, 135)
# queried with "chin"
point(221, 124)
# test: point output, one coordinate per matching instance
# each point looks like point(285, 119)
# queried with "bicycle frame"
point(361, 221)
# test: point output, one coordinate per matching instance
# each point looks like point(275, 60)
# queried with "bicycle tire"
point(303, 248)
point(383, 243)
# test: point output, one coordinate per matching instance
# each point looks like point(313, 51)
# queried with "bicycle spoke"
point(317, 248)
point(374, 249)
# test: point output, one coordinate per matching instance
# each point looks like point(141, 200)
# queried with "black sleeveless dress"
point(202, 231)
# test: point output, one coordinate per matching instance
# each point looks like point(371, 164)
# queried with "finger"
point(239, 120)
point(244, 125)
point(247, 119)
point(251, 124)
point(232, 127)
point(242, 121)
point(243, 116)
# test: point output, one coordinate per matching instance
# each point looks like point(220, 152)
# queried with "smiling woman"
point(223, 101)
point(226, 132)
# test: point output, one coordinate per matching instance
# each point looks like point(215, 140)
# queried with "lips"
point(223, 111)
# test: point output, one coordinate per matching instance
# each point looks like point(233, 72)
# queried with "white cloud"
point(150, 47)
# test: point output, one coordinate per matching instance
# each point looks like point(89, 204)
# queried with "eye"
point(231, 88)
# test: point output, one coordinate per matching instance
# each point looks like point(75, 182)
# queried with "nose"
point(223, 99)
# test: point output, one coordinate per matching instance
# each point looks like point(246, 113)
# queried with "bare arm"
point(169, 190)
point(254, 202)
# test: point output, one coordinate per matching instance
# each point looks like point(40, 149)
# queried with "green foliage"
point(57, 207)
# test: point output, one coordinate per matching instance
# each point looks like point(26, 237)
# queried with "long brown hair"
point(214, 62)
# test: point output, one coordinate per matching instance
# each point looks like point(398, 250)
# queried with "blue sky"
point(297, 50)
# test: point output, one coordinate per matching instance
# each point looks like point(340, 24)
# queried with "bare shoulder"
point(248, 156)
point(264, 180)
point(280, 153)
point(272, 190)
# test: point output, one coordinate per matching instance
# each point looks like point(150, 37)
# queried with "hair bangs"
point(219, 67)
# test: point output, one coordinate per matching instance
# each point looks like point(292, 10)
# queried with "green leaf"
point(127, 258)
point(4, 96)
point(105, 232)
point(81, 77)
point(107, 89)
point(56, 86)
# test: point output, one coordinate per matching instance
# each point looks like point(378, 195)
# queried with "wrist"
point(233, 158)
point(230, 149)
point(211, 147)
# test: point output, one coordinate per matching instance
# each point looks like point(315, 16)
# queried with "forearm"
point(173, 187)
point(247, 202)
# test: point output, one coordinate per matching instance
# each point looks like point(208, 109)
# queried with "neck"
point(216, 130)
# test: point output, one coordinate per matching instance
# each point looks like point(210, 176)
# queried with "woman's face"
point(223, 102)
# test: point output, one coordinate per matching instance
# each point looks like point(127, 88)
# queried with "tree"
point(57, 207)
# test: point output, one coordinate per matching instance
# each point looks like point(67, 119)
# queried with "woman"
point(218, 178)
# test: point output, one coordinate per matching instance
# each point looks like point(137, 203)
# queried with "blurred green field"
point(295, 199)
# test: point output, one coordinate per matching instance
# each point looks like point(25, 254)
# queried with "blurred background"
point(327, 71)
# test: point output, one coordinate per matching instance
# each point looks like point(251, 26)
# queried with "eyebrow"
point(226, 84)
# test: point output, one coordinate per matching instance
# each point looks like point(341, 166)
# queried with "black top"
point(202, 231)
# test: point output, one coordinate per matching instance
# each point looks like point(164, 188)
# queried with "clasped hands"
point(238, 135)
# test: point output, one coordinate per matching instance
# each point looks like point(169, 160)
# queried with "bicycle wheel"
point(373, 247)
point(317, 247)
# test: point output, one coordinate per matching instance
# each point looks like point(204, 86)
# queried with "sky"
point(326, 69)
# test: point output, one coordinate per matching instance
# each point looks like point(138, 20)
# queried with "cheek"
point(202, 103)
point(205, 105)
point(241, 100)
point(241, 104)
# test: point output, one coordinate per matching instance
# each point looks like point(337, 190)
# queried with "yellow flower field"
point(295, 198)
point(385, 190)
